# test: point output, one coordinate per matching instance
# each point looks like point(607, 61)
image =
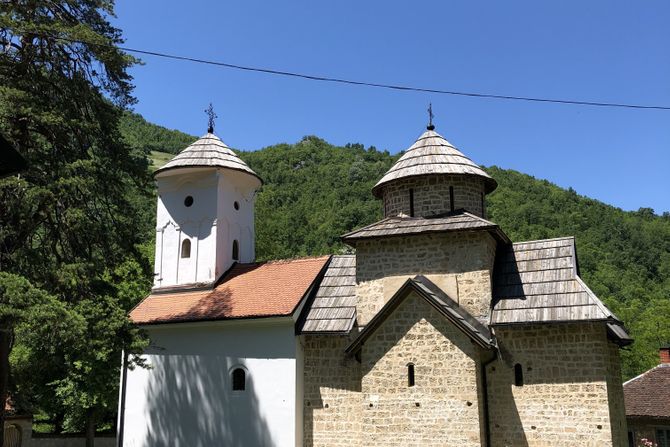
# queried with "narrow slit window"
point(236, 251)
point(451, 198)
point(518, 375)
point(411, 202)
point(186, 248)
point(410, 375)
point(239, 379)
point(482, 204)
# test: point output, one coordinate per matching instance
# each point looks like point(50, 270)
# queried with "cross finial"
point(430, 117)
point(211, 117)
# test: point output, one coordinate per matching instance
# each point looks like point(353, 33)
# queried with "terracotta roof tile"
point(648, 395)
point(247, 291)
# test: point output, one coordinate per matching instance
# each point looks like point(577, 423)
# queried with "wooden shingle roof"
point(431, 154)
point(208, 152)
point(538, 281)
point(459, 220)
point(334, 306)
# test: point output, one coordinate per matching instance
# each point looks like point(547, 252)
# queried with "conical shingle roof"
point(208, 152)
point(431, 154)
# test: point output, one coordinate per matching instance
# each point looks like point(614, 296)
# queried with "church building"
point(438, 331)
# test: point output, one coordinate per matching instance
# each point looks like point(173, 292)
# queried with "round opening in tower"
point(236, 205)
point(188, 201)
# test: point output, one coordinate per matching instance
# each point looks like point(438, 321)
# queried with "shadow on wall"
point(187, 407)
point(510, 431)
point(331, 392)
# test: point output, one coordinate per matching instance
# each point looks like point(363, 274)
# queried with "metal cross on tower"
point(211, 117)
point(430, 117)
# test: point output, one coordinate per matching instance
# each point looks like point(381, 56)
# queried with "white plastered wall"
point(186, 398)
point(211, 224)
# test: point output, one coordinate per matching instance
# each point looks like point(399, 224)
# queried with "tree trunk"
point(5, 347)
point(90, 427)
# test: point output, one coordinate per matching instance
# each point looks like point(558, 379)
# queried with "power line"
point(364, 83)
point(391, 86)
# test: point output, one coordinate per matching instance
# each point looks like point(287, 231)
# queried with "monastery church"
point(438, 331)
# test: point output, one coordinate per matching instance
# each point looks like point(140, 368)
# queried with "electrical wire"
point(362, 83)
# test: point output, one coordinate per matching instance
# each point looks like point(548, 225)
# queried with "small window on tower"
point(518, 375)
point(188, 201)
point(410, 374)
point(236, 251)
point(236, 205)
point(239, 377)
point(451, 198)
point(186, 248)
point(411, 202)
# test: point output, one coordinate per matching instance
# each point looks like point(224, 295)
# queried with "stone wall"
point(431, 195)
point(443, 407)
point(332, 393)
point(459, 263)
point(564, 400)
point(18, 432)
point(615, 396)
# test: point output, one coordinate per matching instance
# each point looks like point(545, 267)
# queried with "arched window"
point(518, 375)
point(236, 251)
point(239, 377)
point(186, 248)
point(410, 374)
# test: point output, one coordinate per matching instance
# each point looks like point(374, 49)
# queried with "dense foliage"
point(315, 192)
point(146, 137)
point(69, 226)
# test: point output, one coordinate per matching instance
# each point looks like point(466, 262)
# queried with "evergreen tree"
point(69, 224)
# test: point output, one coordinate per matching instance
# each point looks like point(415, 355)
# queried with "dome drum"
point(425, 196)
point(433, 177)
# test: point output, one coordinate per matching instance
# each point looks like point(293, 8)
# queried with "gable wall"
point(569, 392)
point(431, 195)
point(443, 408)
point(460, 263)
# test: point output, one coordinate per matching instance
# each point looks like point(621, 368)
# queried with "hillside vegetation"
point(145, 136)
point(314, 192)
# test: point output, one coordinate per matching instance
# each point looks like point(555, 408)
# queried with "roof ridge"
point(287, 260)
point(545, 240)
point(639, 376)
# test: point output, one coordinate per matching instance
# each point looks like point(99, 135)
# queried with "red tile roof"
point(248, 291)
point(648, 395)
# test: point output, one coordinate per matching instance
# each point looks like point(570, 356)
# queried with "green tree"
point(71, 221)
point(25, 308)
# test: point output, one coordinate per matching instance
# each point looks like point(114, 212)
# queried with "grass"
point(158, 159)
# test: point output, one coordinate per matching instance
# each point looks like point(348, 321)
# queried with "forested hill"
point(141, 134)
point(315, 192)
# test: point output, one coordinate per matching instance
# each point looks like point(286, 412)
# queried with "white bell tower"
point(205, 215)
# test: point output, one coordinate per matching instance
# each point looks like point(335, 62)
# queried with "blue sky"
point(600, 50)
